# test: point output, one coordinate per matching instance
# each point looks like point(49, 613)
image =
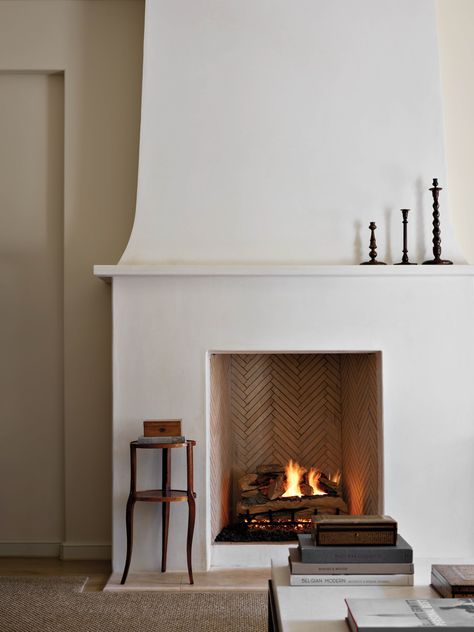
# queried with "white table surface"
point(322, 608)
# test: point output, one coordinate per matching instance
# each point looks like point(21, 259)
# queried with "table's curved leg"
point(165, 515)
point(189, 545)
point(165, 510)
point(129, 522)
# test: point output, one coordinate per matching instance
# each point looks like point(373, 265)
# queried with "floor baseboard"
point(85, 551)
point(61, 550)
point(29, 549)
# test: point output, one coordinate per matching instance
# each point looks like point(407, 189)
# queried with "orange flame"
point(335, 478)
point(313, 480)
point(293, 472)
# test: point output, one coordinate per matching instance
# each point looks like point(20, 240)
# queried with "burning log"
point(276, 488)
point(330, 487)
point(306, 489)
point(296, 503)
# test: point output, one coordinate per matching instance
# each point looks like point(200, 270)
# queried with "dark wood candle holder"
point(437, 261)
point(373, 249)
point(405, 261)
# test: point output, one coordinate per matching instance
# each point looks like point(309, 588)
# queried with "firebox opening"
point(292, 435)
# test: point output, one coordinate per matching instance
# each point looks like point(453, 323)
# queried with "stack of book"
point(347, 551)
point(161, 432)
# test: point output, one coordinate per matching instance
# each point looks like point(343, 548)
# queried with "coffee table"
point(322, 608)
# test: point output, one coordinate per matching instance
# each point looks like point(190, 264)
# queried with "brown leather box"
point(329, 530)
point(162, 428)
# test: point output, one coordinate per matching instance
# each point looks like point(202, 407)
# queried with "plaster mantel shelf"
point(107, 272)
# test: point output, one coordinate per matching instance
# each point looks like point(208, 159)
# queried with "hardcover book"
point(351, 580)
point(379, 615)
point(297, 567)
point(453, 580)
point(143, 439)
point(380, 554)
point(330, 530)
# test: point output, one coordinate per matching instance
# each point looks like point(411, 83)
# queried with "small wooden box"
point(168, 428)
point(328, 530)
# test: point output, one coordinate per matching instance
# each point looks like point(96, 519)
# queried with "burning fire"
point(313, 480)
point(295, 477)
point(294, 472)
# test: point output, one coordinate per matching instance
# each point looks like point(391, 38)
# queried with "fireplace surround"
point(169, 320)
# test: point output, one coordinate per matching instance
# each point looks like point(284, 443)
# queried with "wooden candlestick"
point(373, 249)
point(435, 189)
point(405, 261)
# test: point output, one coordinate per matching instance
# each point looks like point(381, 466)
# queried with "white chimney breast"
point(273, 131)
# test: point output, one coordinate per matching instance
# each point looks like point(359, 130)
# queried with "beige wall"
point(98, 46)
point(456, 44)
point(31, 335)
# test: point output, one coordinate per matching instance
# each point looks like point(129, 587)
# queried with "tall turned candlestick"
point(373, 249)
point(435, 189)
point(405, 261)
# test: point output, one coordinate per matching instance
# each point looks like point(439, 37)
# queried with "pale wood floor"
point(217, 579)
point(100, 576)
point(97, 571)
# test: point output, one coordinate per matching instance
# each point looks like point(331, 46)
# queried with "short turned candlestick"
point(435, 189)
point(405, 261)
point(373, 249)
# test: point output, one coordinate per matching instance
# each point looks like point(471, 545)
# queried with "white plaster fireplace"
point(166, 322)
point(272, 133)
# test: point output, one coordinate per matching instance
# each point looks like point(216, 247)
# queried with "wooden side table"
point(165, 495)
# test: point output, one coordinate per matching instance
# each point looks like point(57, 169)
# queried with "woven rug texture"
point(56, 604)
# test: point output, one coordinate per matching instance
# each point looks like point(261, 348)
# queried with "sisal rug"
point(56, 604)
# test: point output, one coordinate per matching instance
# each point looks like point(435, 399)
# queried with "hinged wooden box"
point(330, 530)
point(168, 428)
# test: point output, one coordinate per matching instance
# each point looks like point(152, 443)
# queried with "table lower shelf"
point(162, 496)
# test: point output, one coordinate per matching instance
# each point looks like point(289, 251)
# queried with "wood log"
point(304, 514)
point(328, 483)
point(276, 488)
point(257, 499)
point(247, 482)
point(306, 489)
point(319, 503)
point(250, 492)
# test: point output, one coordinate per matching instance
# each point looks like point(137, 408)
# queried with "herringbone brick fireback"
point(320, 409)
